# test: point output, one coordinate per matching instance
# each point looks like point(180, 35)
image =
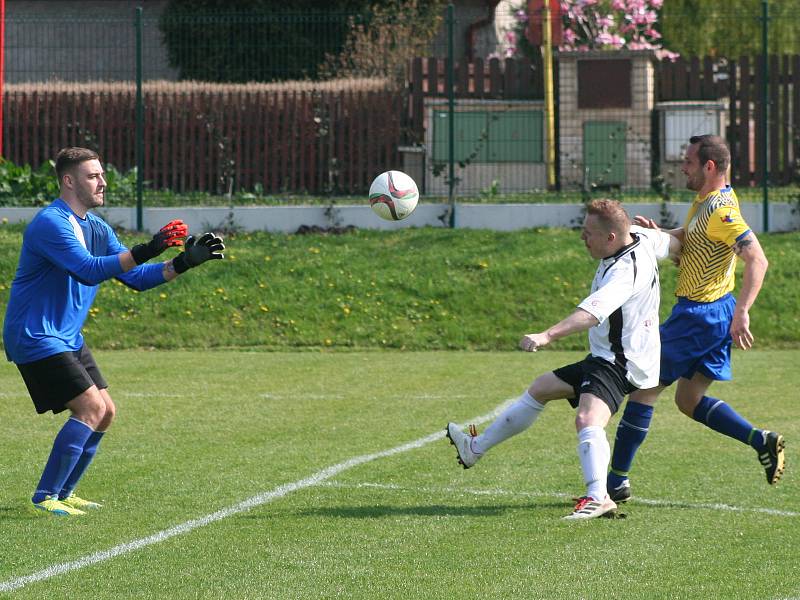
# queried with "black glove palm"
point(197, 251)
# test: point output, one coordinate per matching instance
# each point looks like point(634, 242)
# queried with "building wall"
point(70, 40)
point(638, 118)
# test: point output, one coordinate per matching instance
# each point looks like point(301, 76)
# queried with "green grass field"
point(353, 497)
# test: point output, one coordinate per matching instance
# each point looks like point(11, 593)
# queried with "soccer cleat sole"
point(779, 446)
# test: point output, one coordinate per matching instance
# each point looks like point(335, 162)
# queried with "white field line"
point(323, 396)
point(263, 498)
point(500, 492)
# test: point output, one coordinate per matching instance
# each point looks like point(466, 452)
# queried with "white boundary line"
point(263, 498)
point(500, 492)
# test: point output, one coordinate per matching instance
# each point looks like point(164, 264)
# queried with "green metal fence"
point(241, 108)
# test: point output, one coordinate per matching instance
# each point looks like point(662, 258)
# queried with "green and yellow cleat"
point(77, 503)
point(52, 505)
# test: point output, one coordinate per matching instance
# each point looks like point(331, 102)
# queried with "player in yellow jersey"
point(696, 339)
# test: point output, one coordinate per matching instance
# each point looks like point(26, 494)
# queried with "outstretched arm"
point(649, 223)
point(196, 251)
point(675, 236)
point(580, 320)
point(749, 250)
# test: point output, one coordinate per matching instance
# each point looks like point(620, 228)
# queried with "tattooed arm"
point(755, 266)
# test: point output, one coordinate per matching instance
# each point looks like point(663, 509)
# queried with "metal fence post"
point(765, 108)
point(549, 102)
point(451, 115)
point(2, 67)
point(139, 123)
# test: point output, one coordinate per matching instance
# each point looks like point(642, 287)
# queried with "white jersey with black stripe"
point(625, 299)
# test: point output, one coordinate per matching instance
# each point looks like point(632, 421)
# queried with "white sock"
point(595, 454)
point(516, 418)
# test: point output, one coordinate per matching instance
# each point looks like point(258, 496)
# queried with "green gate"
point(604, 153)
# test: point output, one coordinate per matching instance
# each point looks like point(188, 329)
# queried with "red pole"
point(2, 66)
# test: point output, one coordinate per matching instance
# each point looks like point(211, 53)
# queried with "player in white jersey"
point(621, 314)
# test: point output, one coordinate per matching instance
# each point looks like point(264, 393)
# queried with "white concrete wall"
point(500, 217)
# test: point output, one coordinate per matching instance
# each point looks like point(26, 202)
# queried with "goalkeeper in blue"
point(66, 253)
point(621, 316)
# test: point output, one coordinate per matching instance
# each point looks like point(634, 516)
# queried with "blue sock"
point(89, 450)
point(631, 431)
point(721, 417)
point(67, 449)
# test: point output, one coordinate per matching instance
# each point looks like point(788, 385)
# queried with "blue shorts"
point(696, 339)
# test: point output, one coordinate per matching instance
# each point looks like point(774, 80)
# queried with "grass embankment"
point(413, 289)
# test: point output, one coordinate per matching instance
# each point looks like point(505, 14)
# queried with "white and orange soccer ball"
point(393, 195)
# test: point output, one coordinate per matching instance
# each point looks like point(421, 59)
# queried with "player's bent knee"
point(686, 404)
point(89, 407)
point(585, 419)
point(108, 417)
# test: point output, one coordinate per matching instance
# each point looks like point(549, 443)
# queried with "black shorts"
point(57, 379)
point(596, 376)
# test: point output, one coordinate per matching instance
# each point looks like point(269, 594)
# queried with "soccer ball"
point(393, 195)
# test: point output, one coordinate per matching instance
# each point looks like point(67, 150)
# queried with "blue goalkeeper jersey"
point(63, 260)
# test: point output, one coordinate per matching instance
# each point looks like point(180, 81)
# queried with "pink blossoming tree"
point(601, 25)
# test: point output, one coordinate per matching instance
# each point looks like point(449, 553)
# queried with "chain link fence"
point(238, 109)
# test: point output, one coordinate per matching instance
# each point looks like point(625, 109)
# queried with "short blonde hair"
point(611, 214)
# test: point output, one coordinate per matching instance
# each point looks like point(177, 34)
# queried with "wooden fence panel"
point(495, 78)
point(338, 141)
point(708, 85)
point(774, 117)
point(786, 119)
point(795, 120)
point(462, 79)
point(694, 77)
point(479, 74)
point(760, 125)
point(745, 168)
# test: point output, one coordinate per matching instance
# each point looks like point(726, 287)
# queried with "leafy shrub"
point(21, 185)
point(35, 186)
point(382, 45)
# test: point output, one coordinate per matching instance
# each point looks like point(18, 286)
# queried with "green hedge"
point(244, 40)
point(413, 288)
point(22, 185)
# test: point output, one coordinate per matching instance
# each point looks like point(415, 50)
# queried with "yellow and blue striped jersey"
point(713, 225)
